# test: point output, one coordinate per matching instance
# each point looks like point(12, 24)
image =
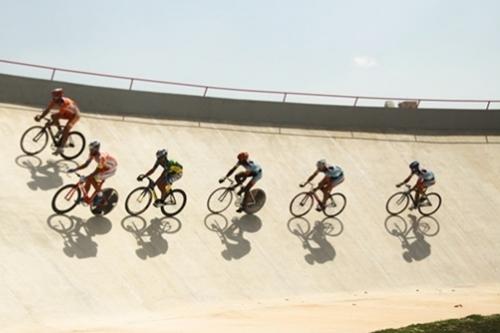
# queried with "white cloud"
point(365, 62)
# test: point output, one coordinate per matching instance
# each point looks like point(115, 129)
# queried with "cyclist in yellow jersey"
point(172, 171)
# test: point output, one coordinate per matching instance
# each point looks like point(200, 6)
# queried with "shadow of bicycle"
point(314, 239)
point(44, 176)
point(231, 234)
point(77, 233)
point(412, 234)
point(150, 236)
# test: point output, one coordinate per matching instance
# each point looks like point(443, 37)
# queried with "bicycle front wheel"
point(397, 203)
point(430, 204)
point(219, 200)
point(138, 200)
point(34, 140)
point(335, 204)
point(301, 204)
point(74, 146)
point(174, 202)
point(66, 198)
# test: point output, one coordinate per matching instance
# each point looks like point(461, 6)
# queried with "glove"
point(140, 177)
point(399, 185)
point(83, 179)
point(222, 180)
point(302, 185)
point(37, 117)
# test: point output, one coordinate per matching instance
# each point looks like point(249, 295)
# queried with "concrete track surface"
point(118, 273)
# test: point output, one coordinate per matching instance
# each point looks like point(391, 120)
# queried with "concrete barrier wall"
point(35, 92)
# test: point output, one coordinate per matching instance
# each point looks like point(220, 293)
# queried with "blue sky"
point(434, 49)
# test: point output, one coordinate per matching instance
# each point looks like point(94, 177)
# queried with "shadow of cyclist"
point(150, 237)
point(43, 176)
point(416, 248)
point(315, 239)
point(232, 234)
point(77, 233)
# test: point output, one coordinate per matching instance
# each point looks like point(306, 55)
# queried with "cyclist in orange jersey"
point(67, 110)
point(106, 167)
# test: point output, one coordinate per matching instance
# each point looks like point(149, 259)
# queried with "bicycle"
point(69, 196)
point(140, 199)
point(303, 202)
point(223, 196)
point(428, 203)
point(36, 138)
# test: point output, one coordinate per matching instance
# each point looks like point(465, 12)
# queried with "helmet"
point(414, 165)
point(57, 93)
point(243, 156)
point(161, 153)
point(94, 146)
point(321, 164)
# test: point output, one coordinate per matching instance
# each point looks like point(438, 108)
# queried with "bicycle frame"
point(232, 188)
point(408, 192)
point(81, 185)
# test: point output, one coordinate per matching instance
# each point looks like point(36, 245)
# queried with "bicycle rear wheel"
point(34, 140)
point(335, 204)
point(138, 200)
point(66, 198)
point(174, 202)
point(74, 146)
point(397, 203)
point(301, 204)
point(219, 200)
point(259, 199)
point(430, 204)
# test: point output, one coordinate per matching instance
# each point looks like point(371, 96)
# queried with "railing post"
point(205, 92)
point(284, 97)
point(131, 83)
point(356, 101)
point(53, 74)
point(488, 105)
point(418, 102)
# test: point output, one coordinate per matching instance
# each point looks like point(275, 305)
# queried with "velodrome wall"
point(35, 92)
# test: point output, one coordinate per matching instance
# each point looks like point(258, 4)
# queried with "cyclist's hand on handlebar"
point(221, 180)
point(83, 179)
point(140, 177)
point(37, 117)
point(399, 185)
point(302, 184)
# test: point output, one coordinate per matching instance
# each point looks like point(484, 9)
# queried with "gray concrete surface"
point(94, 272)
point(34, 92)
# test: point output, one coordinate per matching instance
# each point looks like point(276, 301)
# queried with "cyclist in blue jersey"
point(425, 179)
point(333, 177)
point(251, 170)
point(172, 171)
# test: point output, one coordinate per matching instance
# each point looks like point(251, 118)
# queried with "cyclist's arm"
point(312, 177)
point(230, 172)
point(84, 165)
point(153, 169)
point(44, 112)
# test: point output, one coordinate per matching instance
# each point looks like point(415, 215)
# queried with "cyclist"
point(172, 171)
point(106, 167)
point(333, 177)
point(67, 110)
point(425, 179)
point(251, 170)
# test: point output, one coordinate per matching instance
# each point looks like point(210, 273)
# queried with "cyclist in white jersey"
point(251, 170)
point(333, 176)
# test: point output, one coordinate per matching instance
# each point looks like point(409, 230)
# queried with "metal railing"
point(285, 94)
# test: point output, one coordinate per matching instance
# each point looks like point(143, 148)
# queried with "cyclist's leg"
point(241, 176)
point(327, 189)
point(55, 119)
point(255, 178)
point(72, 120)
point(98, 182)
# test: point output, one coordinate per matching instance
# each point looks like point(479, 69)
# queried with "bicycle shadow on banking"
point(315, 239)
point(149, 236)
point(44, 176)
point(77, 233)
point(231, 234)
point(412, 234)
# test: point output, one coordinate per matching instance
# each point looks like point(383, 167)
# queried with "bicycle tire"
point(333, 202)
point(43, 139)
point(72, 138)
point(144, 192)
point(55, 202)
point(175, 196)
point(433, 204)
point(395, 196)
point(108, 202)
point(303, 199)
point(225, 193)
point(259, 197)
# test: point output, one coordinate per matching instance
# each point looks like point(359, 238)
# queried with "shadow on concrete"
point(77, 233)
point(315, 239)
point(150, 236)
point(412, 234)
point(232, 234)
point(44, 176)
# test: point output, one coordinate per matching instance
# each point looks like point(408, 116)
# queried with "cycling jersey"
point(252, 167)
point(334, 172)
point(67, 108)
point(171, 166)
point(105, 161)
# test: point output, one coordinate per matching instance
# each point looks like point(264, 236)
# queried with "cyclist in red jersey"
point(106, 167)
point(68, 110)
